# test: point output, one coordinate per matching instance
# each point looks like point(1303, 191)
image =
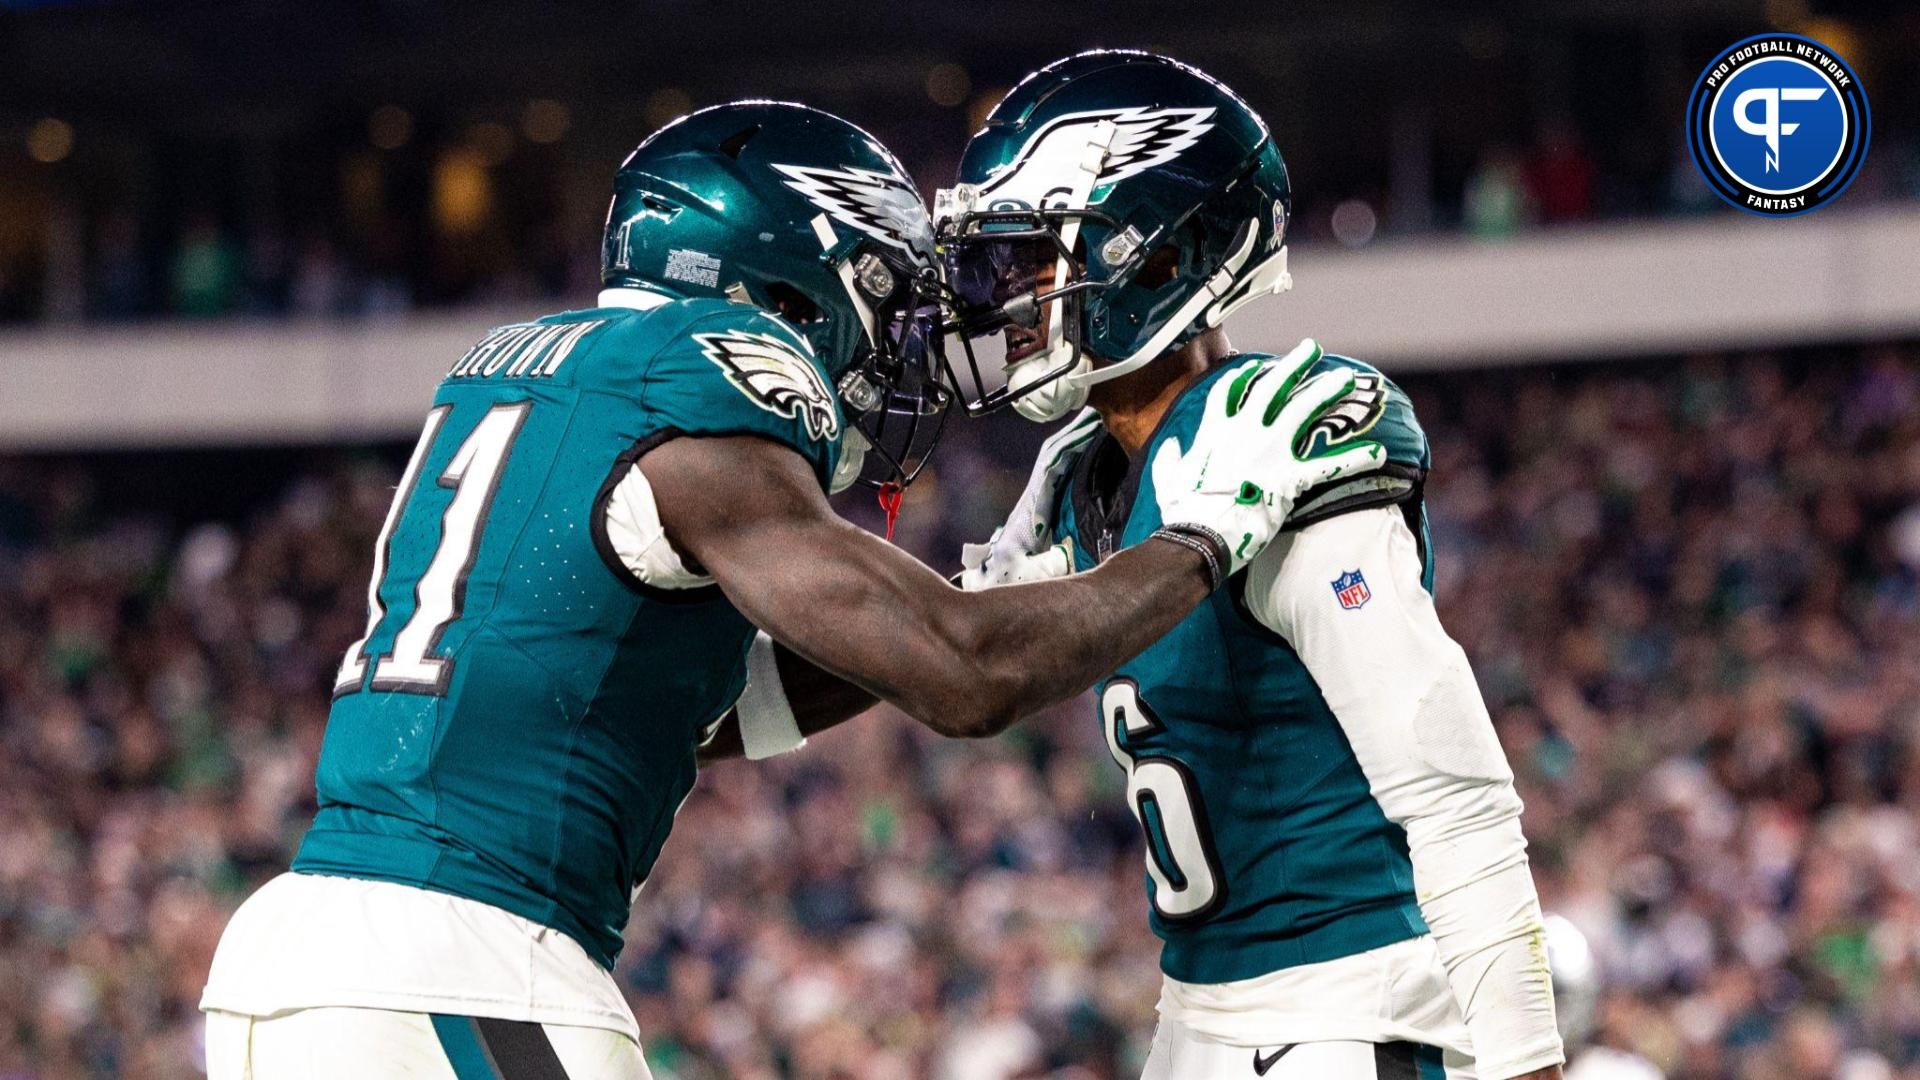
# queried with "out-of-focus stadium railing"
point(1595, 292)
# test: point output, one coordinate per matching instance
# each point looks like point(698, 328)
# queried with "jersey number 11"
point(409, 665)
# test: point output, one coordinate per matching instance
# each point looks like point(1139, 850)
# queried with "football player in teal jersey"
point(1334, 857)
point(1334, 860)
point(609, 517)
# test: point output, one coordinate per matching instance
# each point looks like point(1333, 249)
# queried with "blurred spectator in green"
point(1497, 203)
point(206, 275)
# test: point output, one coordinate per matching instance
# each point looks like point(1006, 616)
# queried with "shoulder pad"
point(1374, 409)
point(733, 369)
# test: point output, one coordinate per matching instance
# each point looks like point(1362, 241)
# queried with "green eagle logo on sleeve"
point(1352, 416)
point(776, 377)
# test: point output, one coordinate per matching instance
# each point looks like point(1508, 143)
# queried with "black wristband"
point(1210, 545)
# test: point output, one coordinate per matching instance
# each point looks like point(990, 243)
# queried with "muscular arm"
point(964, 664)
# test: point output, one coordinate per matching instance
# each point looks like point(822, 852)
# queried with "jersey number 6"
point(1186, 876)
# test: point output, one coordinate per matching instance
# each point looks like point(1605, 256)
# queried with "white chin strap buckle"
point(1056, 398)
point(853, 458)
point(1267, 278)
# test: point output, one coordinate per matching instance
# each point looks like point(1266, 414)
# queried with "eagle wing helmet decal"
point(775, 376)
point(1146, 138)
point(1143, 138)
point(879, 204)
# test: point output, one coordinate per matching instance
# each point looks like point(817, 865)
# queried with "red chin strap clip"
point(890, 495)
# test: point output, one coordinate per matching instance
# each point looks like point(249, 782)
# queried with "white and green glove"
point(1227, 495)
point(1025, 549)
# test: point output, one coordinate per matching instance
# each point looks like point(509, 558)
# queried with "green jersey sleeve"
point(734, 370)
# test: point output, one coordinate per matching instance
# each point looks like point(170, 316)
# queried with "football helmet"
point(1576, 980)
point(808, 217)
point(1115, 205)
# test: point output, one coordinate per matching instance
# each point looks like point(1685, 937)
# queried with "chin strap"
point(853, 458)
point(1217, 293)
point(1268, 277)
point(823, 229)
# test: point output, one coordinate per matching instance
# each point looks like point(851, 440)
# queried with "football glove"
point(1024, 549)
point(1229, 492)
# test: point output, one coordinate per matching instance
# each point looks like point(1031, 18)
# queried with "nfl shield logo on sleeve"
point(1351, 588)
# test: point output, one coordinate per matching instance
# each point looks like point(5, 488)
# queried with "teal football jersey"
point(518, 724)
point(1265, 849)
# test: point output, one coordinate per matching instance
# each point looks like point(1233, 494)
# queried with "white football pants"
point(379, 1044)
point(1180, 1053)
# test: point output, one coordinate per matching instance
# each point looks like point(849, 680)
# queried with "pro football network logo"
point(1351, 590)
point(1778, 125)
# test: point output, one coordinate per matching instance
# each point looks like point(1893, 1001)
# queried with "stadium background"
point(1676, 501)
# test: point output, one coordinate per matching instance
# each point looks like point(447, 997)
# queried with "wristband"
point(1203, 540)
point(767, 724)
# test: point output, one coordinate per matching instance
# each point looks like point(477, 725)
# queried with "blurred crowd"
point(439, 228)
point(122, 266)
point(1690, 589)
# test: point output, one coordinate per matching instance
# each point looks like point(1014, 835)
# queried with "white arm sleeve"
point(767, 724)
point(1405, 696)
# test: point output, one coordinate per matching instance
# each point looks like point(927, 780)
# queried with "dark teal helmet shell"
point(1125, 157)
point(747, 200)
point(802, 214)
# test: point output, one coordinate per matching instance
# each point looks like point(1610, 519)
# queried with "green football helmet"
point(802, 214)
point(1115, 205)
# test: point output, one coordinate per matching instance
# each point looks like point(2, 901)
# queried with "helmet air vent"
point(792, 305)
point(736, 142)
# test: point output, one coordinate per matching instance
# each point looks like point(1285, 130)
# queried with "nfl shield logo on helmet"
point(1351, 589)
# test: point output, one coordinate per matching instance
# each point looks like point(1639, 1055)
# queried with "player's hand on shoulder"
point(1025, 548)
point(1237, 482)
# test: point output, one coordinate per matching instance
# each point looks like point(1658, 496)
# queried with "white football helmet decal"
point(775, 376)
point(1144, 138)
point(882, 205)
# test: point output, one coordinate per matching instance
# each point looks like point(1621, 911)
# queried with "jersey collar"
point(1101, 516)
point(629, 297)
